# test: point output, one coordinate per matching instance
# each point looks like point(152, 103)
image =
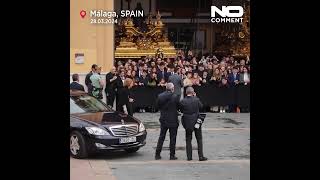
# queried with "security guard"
point(97, 84)
point(190, 106)
point(168, 103)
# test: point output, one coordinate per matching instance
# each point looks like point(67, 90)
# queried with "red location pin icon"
point(83, 13)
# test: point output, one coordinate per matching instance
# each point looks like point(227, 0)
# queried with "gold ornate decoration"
point(241, 35)
point(236, 37)
point(135, 43)
point(159, 53)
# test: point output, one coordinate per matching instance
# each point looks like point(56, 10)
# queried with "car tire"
point(78, 148)
point(132, 150)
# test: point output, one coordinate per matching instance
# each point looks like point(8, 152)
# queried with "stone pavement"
point(226, 139)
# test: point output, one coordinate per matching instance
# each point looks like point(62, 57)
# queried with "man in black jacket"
point(88, 82)
point(177, 82)
point(162, 73)
point(75, 84)
point(168, 103)
point(110, 89)
point(120, 88)
point(143, 80)
point(190, 106)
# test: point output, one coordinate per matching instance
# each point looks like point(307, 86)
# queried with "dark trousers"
point(110, 97)
point(90, 89)
point(232, 108)
point(198, 134)
point(129, 107)
point(173, 137)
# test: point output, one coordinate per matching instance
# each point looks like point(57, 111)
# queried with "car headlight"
point(141, 127)
point(97, 131)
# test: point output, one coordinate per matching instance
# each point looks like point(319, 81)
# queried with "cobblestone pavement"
point(226, 139)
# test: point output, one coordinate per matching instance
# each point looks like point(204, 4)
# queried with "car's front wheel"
point(78, 147)
point(132, 150)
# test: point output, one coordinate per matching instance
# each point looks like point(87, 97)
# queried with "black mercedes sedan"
point(95, 127)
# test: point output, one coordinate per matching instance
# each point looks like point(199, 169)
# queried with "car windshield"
point(85, 104)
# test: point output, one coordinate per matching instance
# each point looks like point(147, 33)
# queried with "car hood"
point(108, 118)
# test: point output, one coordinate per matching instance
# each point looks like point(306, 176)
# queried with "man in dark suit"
point(75, 84)
point(170, 70)
point(168, 104)
point(88, 83)
point(143, 80)
point(234, 80)
point(190, 106)
point(140, 70)
point(177, 82)
point(110, 89)
point(162, 74)
point(120, 88)
point(234, 77)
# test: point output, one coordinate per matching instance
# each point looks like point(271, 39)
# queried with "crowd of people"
point(184, 70)
point(151, 71)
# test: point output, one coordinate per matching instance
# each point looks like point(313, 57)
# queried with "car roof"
point(77, 93)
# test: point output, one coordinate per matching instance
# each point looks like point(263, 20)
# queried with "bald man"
point(111, 86)
point(168, 104)
point(190, 107)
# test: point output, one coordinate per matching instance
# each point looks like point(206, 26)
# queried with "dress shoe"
point(189, 159)
point(173, 158)
point(157, 157)
point(203, 159)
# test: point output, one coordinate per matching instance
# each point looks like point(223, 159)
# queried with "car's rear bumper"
point(97, 143)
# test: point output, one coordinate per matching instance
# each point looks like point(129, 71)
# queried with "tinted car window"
point(86, 104)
